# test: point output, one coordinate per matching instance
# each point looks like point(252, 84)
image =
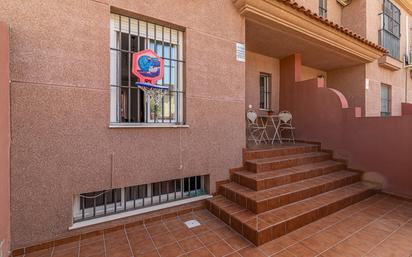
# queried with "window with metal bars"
point(128, 103)
point(102, 203)
point(265, 91)
point(385, 100)
point(323, 8)
point(390, 32)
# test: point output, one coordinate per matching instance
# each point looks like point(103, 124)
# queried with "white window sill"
point(126, 214)
point(147, 125)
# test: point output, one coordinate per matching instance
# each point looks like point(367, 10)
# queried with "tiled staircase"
point(284, 188)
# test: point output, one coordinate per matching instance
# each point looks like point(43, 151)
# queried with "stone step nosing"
point(270, 203)
point(283, 179)
point(286, 163)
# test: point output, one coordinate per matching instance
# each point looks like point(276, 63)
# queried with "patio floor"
point(378, 226)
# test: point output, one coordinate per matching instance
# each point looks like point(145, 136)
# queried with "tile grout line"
point(128, 241)
point(104, 244)
point(387, 237)
point(378, 218)
point(151, 238)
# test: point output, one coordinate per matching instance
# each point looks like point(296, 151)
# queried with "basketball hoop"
point(149, 67)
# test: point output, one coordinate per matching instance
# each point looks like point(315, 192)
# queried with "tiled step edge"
point(287, 161)
point(263, 204)
point(289, 177)
point(259, 232)
point(251, 154)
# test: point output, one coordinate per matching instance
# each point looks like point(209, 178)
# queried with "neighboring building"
point(86, 143)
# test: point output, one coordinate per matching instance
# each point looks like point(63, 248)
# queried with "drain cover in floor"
point(192, 223)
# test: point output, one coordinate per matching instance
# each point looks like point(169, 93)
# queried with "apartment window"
point(385, 100)
point(102, 203)
point(390, 34)
point(323, 8)
point(265, 91)
point(128, 103)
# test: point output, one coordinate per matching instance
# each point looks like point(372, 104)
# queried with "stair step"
point(269, 199)
point(287, 161)
point(268, 151)
point(269, 179)
point(264, 227)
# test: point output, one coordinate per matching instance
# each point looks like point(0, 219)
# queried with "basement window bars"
point(323, 8)
point(103, 203)
point(127, 102)
point(390, 32)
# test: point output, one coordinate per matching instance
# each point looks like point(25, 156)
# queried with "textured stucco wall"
point(377, 74)
point(380, 146)
point(60, 106)
point(333, 7)
point(4, 139)
point(351, 82)
point(255, 64)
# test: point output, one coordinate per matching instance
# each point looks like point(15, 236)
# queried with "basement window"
point(385, 100)
point(107, 202)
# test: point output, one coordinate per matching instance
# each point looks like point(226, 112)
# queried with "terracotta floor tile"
point(70, 252)
point(320, 242)
point(277, 245)
point(209, 237)
point(201, 252)
point(220, 248)
point(175, 225)
point(225, 232)
point(156, 229)
point(91, 248)
point(142, 247)
point(190, 244)
point(40, 253)
point(237, 242)
point(163, 239)
point(284, 253)
point(119, 252)
point(236, 254)
point(182, 234)
point(343, 249)
point(300, 250)
point(251, 251)
point(149, 254)
point(199, 229)
point(171, 250)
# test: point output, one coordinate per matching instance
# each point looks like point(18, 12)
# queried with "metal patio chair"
point(285, 119)
point(257, 132)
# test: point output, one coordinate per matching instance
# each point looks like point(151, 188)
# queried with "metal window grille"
point(323, 8)
point(102, 203)
point(390, 32)
point(385, 100)
point(128, 103)
point(265, 91)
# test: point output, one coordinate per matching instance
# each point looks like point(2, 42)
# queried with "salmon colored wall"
point(310, 73)
point(62, 144)
point(334, 8)
point(4, 140)
point(376, 74)
point(379, 146)
point(255, 64)
point(351, 82)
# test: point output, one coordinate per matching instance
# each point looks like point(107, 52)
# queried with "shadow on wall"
point(380, 146)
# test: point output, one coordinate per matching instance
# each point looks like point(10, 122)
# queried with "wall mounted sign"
point(240, 52)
